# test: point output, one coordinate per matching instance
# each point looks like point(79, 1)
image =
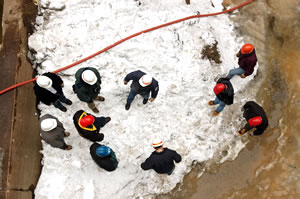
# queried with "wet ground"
point(269, 167)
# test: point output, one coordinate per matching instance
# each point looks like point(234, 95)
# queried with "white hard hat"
point(89, 77)
point(48, 124)
point(157, 142)
point(145, 80)
point(44, 81)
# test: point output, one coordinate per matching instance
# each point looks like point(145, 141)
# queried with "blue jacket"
point(135, 76)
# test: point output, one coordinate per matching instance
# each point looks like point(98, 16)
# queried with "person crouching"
point(53, 132)
point(162, 159)
point(104, 156)
point(48, 89)
point(256, 118)
point(224, 95)
point(88, 126)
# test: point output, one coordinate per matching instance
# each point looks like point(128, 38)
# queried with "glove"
point(238, 54)
point(125, 82)
point(243, 75)
point(151, 99)
point(62, 85)
point(242, 131)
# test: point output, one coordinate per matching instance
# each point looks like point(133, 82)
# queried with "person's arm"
point(129, 77)
point(177, 157)
point(154, 92)
point(148, 164)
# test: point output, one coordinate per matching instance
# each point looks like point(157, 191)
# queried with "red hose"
point(127, 38)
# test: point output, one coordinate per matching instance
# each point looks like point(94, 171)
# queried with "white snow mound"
point(180, 114)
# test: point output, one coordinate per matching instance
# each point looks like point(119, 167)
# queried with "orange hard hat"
point(247, 49)
point(87, 120)
point(255, 121)
point(219, 88)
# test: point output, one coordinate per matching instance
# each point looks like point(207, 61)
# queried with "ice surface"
point(180, 114)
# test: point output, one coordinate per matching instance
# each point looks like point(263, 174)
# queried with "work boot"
point(67, 134)
point(63, 109)
point(69, 102)
point(100, 98)
point(107, 119)
point(92, 106)
point(145, 101)
point(127, 106)
point(216, 113)
point(69, 147)
point(210, 103)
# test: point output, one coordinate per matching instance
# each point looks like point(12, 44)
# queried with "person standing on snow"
point(141, 84)
point(247, 62)
point(224, 95)
point(48, 89)
point(87, 86)
point(88, 126)
point(162, 159)
point(53, 132)
point(256, 118)
point(104, 156)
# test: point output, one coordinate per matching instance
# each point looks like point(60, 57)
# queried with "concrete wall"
point(20, 139)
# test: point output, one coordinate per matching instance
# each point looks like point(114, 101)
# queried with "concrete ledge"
point(20, 139)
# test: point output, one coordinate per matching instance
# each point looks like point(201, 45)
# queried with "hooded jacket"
point(90, 132)
point(162, 162)
point(86, 92)
point(135, 85)
point(227, 95)
point(109, 163)
point(55, 137)
point(252, 109)
point(247, 62)
point(46, 96)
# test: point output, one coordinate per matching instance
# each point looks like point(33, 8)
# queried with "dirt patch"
point(211, 53)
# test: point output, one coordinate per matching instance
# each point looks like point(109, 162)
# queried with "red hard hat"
point(87, 120)
point(219, 88)
point(247, 49)
point(255, 121)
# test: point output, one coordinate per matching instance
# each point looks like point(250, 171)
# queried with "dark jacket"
point(109, 163)
point(46, 96)
point(162, 162)
point(91, 132)
point(84, 91)
point(135, 76)
point(248, 62)
point(252, 109)
point(55, 137)
point(227, 95)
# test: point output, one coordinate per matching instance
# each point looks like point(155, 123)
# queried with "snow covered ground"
point(69, 30)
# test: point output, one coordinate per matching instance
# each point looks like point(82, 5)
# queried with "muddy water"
point(269, 167)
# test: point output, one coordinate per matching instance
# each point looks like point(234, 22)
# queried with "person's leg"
point(92, 106)
point(131, 96)
point(63, 99)
point(217, 100)
point(58, 105)
point(220, 107)
point(146, 98)
point(235, 71)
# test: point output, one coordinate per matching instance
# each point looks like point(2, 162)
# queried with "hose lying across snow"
point(127, 38)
